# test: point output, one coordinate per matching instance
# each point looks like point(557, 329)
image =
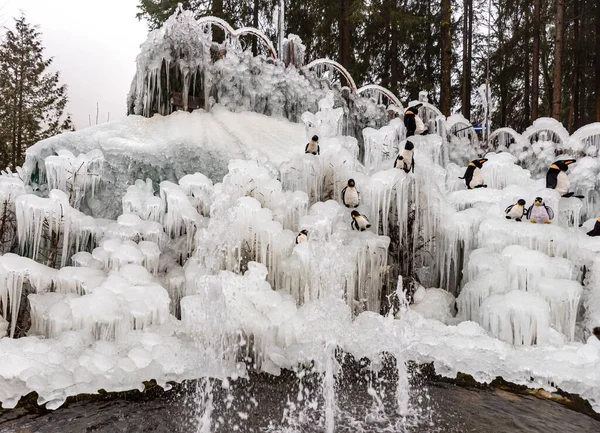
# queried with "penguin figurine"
point(302, 237)
point(540, 213)
point(350, 195)
point(313, 146)
point(557, 178)
point(473, 175)
point(516, 211)
point(405, 160)
point(359, 222)
point(596, 230)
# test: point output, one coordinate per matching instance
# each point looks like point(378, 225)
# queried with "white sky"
point(94, 44)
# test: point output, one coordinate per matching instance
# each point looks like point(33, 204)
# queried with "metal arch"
point(221, 23)
point(260, 35)
point(217, 22)
point(586, 131)
point(518, 137)
point(336, 66)
point(432, 108)
point(466, 126)
point(388, 93)
point(550, 125)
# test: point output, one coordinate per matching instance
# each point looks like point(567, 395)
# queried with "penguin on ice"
point(473, 175)
point(302, 237)
point(313, 146)
point(516, 211)
point(596, 230)
point(540, 213)
point(557, 178)
point(359, 222)
point(350, 195)
point(405, 160)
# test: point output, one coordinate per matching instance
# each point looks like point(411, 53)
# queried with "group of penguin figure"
point(350, 195)
point(405, 159)
point(351, 199)
point(539, 212)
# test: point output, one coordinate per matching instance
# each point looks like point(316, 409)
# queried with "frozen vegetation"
point(166, 248)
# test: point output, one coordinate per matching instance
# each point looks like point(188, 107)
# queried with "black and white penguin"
point(557, 178)
point(313, 146)
point(359, 222)
point(405, 160)
point(350, 195)
point(412, 121)
point(516, 211)
point(597, 332)
point(596, 230)
point(302, 237)
point(473, 175)
point(540, 213)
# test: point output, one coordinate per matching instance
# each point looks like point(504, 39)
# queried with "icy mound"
point(519, 318)
point(167, 148)
point(436, 304)
point(222, 257)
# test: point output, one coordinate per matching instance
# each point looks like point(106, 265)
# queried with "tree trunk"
point(526, 72)
point(597, 61)
point(574, 105)
point(535, 64)
point(395, 72)
point(466, 91)
point(18, 117)
point(558, 55)
point(217, 8)
point(446, 33)
point(470, 61)
point(255, 25)
point(217, 11)
point(344, 26)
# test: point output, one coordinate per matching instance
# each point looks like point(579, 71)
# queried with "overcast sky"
point(94, 44)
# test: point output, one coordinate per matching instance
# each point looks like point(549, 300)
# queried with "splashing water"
point(329, 389)
point(205, 407)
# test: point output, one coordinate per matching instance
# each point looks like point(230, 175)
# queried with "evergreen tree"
point(157, 12)
point(441, 46)
point(68, 125)
point(32, 100)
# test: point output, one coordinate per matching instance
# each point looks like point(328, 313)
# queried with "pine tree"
point(32, 100)
point(68, 125)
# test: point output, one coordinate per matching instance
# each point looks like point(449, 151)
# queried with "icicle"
point(518, 318)
point(14, 272)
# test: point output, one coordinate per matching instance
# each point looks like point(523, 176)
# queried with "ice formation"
point(50, 229)
point(183, 257)
point(383, 144)
point(75, 175)
point(519, 318)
